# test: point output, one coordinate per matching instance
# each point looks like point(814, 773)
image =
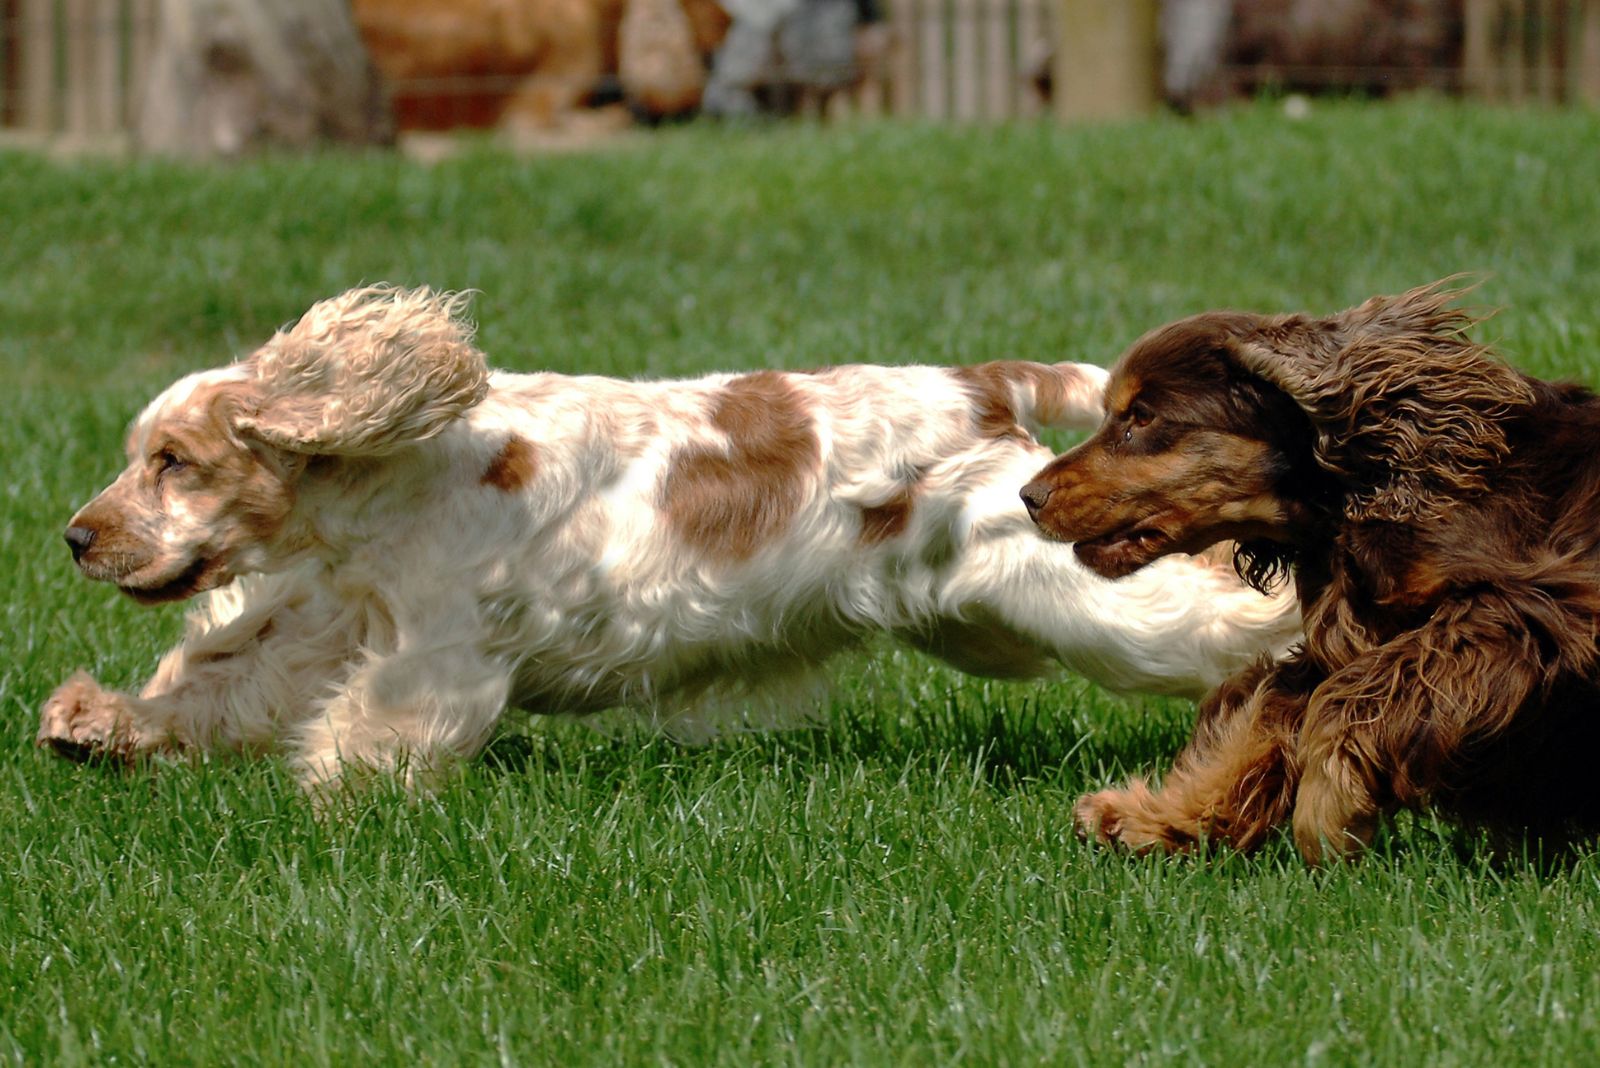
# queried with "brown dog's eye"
point(1140, 415)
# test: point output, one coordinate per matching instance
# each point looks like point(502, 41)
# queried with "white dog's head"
point(213, 461)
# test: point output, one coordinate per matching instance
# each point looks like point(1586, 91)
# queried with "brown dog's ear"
point(1409, 413)
point(365, 373)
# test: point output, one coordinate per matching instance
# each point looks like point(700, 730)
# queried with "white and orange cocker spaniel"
point(395, 546)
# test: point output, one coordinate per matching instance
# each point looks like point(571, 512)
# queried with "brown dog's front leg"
point(1392, 727)
point(1233, 783)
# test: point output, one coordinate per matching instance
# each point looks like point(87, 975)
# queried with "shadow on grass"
point(1007, 743)
point(1017, 744)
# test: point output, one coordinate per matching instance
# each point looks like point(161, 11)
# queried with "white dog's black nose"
point(1034, 495)
point(78, 540)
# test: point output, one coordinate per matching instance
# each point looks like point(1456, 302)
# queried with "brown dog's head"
point(213, 462)
point(1261, 429)
point(1194, 450)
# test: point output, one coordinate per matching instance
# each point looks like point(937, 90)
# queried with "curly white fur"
point(393, 549)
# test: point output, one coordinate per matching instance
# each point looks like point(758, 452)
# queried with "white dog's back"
point(677, 546)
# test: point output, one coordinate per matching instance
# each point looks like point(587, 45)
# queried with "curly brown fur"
point(1441, 515)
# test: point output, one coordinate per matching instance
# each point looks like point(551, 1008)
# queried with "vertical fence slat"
point(931, 65)
point(141, 42)
point(902, 58)
point(77, 89)
point(1514, 53)
point(1477, 48)
point(998, 73)
point(1547, 30)
point(8, 63)
point(1033, 44)
point(1105, 58)
point(965, 61)
point(105, 46)
point(1587, 49)
point(36, 58)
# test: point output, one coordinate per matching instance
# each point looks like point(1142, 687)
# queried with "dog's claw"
point(1095, 819)
point(77, 752)
point(81, 720)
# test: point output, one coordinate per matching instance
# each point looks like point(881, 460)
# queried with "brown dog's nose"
point(78, 540)
point(1034, 495)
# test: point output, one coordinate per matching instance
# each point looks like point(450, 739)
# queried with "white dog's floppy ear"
point(365, 373)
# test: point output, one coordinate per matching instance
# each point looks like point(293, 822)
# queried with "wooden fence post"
point(93, 84)
point(1587, 50)
point(1000, 74)
point(36, 60)
point(141, 42)
point(1106, 64)
point(1477, 48)
point(902, 58)
point(1035, 40)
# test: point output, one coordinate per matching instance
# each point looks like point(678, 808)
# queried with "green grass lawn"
point(898, 886)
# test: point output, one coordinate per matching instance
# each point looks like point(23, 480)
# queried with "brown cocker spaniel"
point(1440, 515)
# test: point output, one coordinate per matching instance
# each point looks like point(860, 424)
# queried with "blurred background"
point(224, 77)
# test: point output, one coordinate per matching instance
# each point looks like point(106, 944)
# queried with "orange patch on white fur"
point(513, 466)
point(882, 522)
point(992, 387)
point(730, 504)
point(1054, 391)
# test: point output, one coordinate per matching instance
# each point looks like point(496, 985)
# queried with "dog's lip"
point(185, 583)
point(1126, 549)
point(1140, 533)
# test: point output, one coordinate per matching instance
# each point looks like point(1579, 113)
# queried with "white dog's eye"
point(167, 462)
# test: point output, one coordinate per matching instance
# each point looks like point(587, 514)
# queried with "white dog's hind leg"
point(1180, 626)
point(411, 712)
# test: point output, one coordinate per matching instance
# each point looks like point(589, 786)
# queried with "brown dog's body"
point(1441, 514)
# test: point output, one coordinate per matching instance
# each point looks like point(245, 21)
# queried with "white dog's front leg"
point(252, 658)
point(410, 712)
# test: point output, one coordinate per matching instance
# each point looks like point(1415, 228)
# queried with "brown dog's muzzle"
point(1062, 499)
point(106, 550)
point(1035, 495)
point(1114, 532)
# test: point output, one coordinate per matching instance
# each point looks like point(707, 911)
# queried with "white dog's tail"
point(1069, 396)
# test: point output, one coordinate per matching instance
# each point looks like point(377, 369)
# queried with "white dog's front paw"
point(82, 720)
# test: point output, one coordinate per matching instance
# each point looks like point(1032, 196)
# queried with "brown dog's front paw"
point(81, 720)
point(1127, 818)
point(1098, 816)
point(1335, 817)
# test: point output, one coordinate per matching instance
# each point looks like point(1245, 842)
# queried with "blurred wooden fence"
point(74, 67)
point(963, 59)
point(1546, 50)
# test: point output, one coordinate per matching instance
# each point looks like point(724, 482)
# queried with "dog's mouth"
point(200, 575)
point(1122, 552)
